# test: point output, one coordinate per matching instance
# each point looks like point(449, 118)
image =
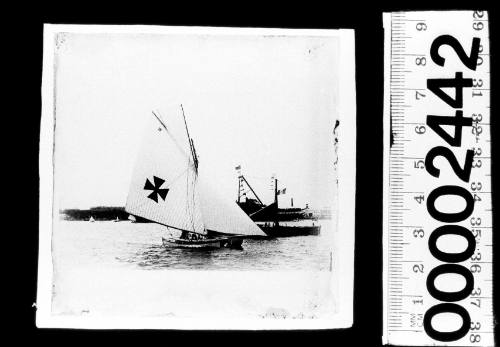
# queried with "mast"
point(276, 191)
point(191, 143)
point(239, 189)
point(276, 200)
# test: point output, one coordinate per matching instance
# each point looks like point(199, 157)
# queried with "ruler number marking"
point(462, 219)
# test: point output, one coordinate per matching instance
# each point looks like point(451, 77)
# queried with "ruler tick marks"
point(407, 223)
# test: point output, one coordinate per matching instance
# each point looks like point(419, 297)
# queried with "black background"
point(364, 18)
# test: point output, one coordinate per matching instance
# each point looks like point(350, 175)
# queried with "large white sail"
point(223, 215)
point(163, 186)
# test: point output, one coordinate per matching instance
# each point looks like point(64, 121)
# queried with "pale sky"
point(267, 103)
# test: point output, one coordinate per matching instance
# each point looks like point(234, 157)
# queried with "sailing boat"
point(168, 188)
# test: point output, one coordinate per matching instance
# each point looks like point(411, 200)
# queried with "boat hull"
point(288, 231)
point(234, 243)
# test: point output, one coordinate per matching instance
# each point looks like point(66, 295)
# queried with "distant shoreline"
point(97, 213)
point(104, 213)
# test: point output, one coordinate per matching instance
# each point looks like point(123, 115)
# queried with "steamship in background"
point(268, 217)
point(271, 219)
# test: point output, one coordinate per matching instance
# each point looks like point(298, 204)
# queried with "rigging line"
point(172, 137)
point(190, 141)
point(194, 199)
point(191, 200)
point(177, 177)
point(190, 213)
point(185, 123)
point(170, 226)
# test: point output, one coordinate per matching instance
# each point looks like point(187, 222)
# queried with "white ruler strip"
point(437, 179)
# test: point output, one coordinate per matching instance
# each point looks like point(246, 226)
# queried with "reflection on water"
point(139, 245)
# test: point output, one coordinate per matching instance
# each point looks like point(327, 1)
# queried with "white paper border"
point(346, 195)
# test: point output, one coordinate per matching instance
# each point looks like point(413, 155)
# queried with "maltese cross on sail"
point(156, 190)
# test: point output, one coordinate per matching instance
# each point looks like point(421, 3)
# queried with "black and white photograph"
point(196, 178)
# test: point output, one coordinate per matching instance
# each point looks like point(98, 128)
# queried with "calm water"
point(139, 245)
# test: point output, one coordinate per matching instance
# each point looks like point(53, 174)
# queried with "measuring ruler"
point(437, 194)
